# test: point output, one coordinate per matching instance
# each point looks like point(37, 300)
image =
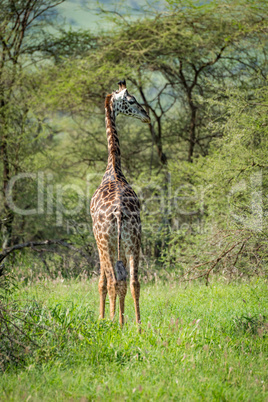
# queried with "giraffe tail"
point(120, 269)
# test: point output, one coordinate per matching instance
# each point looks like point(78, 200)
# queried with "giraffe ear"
point(122, 85)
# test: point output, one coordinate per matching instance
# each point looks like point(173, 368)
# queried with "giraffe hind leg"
point(135, 284)
point(103, 292)
point(122, 287)
point(122, 291)
point(112, 292)
point(107, 282)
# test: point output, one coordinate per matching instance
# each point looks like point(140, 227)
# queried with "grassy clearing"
point(197, 343)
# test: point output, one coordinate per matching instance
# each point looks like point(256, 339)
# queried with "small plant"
point(255, 325)
point(7, 283)
point(15, 342)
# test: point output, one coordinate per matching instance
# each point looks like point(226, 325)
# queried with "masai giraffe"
point(115, 211)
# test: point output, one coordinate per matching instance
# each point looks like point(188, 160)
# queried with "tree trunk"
point(7, 222)
point(192, 133)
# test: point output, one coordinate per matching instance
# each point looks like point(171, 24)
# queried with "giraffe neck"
point(114, 155)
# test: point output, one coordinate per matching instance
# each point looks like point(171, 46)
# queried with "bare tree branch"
point(47, 242)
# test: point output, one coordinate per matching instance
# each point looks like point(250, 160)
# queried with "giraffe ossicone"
point(115, 211)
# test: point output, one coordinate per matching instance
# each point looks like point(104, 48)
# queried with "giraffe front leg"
point(103, 292)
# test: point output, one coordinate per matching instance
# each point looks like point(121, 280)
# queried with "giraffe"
point(115, 212)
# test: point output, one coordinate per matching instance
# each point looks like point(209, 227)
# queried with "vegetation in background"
point(195, 68)
point(199, 169)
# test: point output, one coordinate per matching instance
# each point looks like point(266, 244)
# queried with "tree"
point(197, 49)
point(24, 41)
point(231, 193)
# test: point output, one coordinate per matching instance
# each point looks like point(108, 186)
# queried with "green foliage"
point(193, 342)
point(200, 72)
point(222, 197)
point(8, 284)
point(200, 170)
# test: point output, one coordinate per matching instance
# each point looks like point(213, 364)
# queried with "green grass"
point(197, 343)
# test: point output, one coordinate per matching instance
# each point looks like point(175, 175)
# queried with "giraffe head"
point(127, 104)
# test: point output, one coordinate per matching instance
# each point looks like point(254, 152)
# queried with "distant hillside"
point(84, 14)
